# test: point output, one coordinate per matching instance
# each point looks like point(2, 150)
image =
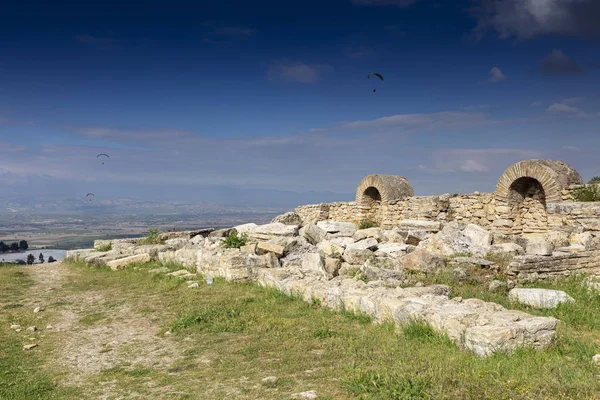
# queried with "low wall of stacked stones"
point(480, 209)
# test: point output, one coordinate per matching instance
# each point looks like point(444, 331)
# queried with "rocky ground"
point(380, 272)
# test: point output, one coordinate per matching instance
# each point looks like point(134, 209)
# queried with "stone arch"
point(525, 188)
point(377, 190)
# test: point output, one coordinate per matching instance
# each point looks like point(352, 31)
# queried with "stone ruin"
point(319, 253)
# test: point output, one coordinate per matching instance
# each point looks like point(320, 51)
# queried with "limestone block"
point(121, 263)
point(539, 298)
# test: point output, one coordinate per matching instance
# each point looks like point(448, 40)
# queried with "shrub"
point(587, 193)
point(233, 241)
point(367, 223)
point(594, 180)
point(152, 238)
point(105, 247)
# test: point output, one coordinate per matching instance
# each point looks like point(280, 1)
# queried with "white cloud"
point(564, 108)
point(573, 100)
point(536, 103)
point(476, 160)
point(525, 19)
point(287, 71)
point(496, 75)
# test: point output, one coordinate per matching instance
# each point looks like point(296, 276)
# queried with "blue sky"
point(275, 96)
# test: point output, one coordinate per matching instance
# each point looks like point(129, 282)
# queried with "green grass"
point(105, 247)
point(23, 375)
point(367, 223)
point(153, 237)
point(235, 241)
point(587, 193)
point(232, 336)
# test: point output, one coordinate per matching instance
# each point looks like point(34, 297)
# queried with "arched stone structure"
point(525, 188)
point(377, 190)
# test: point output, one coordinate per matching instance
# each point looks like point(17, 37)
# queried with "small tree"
point(30, 259)
point(14, 246)
point(23, 245)
point(41, 258)
point(51, 259)
point(4, 247)
point(595, 179)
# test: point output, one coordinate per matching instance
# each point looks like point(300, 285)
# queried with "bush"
point(587, 193)
point(594, 180)
point(152, 238)
point(233, 241)
point(105, 247)
point(367, 223)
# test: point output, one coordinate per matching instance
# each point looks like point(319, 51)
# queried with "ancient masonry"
point(318, 252)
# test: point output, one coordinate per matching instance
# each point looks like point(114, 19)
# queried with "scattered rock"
point(193, 285)
point(221, 233)
point(342, 241)
point(269, 231)
point(357, 256)
point(511, 249)
point(313, 262)
point(414, 237)
point(30, 346)
point(375, 233)
point(15, 326)
point(348, 270)
point(337, 229)
point(310, 395)
point(289, 218)
point(313, 234)
point(161, 270)
point(330, 249)
point(458, 238)
point(38, 309)
point(365, 244)
point(497, 286)
point(393, 249)
point(420, 225)
point(539, 298)
point(269, 381)
point(267, 247)
point(422, 260)
point(249, 248)
point(32, 328)
point(124, 262)
point(596, 360)
point(538, 246)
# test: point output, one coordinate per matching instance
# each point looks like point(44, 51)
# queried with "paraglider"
point(102, 154)
point(89, 194)
point(377, 75)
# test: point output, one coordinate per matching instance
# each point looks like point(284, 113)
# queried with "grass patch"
point(234, 335)
point(105, 247)
point(587, 193)
point(22, 373)
point(153, 237)
point(367, 223)
point(235, 241)
point(92, 319)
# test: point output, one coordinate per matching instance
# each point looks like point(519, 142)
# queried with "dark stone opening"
point(524, 188)
point(372, 195)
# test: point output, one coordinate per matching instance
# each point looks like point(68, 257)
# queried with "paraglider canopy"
point(102, 154)
point(90, 194)
point(377, 75)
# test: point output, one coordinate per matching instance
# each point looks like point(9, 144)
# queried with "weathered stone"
point(456, 238)
point(497, 286)
point(392, 249)
point(375, 233)
point(269, 231)
point(394, 235)
point(472, 262)
point(249, 248)
point(177, 243)
point(330, 249)
point(584, 239)
point(337, 229)
point(121, 263)
point(244, 228)
point(348, 269)
point(333, 265)
point(596, 360)
point(374, 273)
point(342, 241)
point(511, 249)
point(313, 234)
point(502, 223)
point(221, 233)
point(309, 395)
point(288, 243)
point(365, 244)
point(313, 262)
point(289, 218)
point(538, 246)
point(267, 247)
point(357, 256)
point(420, 225)
point(460, 273)
point(539, 298)
point(31, 346)
point(98, 244)
point(422, 260)
point(414, 237)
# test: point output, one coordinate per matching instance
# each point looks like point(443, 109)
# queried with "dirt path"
point(94, 331)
